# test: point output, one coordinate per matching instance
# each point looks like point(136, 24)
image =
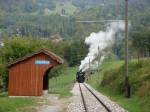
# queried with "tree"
point(17, 47)
point(141, 43)
point(75, 52)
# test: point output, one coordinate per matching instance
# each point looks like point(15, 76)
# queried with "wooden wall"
point(26, 77)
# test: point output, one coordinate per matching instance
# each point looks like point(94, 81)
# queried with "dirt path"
point(52, 103)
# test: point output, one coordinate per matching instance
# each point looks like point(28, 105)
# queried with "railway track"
point(90, 101)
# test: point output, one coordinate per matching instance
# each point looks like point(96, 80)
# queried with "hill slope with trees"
point(44, 18)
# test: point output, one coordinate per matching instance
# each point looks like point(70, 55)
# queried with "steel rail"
point(97, 98)
point(83, 99)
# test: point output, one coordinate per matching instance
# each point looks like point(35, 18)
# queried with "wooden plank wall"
point(26, 77)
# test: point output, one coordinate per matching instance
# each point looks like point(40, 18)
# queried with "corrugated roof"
point(45, 51)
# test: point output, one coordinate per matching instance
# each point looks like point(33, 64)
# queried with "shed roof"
point(45, 51)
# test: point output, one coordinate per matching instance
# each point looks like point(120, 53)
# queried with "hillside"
point(34, 6)
point(111, 79)
point(138, 12)
point(45, 18)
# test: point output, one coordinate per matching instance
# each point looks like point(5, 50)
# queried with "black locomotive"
point(80, 77)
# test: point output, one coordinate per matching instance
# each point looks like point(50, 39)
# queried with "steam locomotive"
point(80, 77)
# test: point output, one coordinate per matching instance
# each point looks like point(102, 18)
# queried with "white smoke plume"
point(97, 42)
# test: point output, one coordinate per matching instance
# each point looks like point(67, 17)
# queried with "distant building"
point(56, 38)
point(1, 44)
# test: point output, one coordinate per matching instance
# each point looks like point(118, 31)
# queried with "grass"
point(63, 84)
point(110, 79)
point(15, 104)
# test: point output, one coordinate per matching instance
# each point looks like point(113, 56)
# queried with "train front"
point(80, 77)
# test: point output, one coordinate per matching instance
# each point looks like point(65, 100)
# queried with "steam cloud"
point(97, 42)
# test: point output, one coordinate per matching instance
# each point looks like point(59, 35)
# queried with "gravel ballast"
point(76, 104)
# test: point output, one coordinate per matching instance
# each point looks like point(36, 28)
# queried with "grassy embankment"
point(63, 84)
point(110, 82)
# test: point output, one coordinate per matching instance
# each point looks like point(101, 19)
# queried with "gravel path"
point(76, 104)
point(52, 103)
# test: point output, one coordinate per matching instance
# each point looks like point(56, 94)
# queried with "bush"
point(57, 71)
point(143, 90)
point(0, 83)
point(113, 78)
point(4, 80)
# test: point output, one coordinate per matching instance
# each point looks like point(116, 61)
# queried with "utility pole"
point(89, 65)
point(127, 85)
point(99, 57)
point(89, 74)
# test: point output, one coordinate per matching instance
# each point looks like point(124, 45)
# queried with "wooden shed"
point(28, 75)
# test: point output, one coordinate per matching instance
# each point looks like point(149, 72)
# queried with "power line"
point(97, 21)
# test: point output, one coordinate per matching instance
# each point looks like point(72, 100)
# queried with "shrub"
point(4, 76)
point(56, 71)
point(0, 83)
point(143, 89)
